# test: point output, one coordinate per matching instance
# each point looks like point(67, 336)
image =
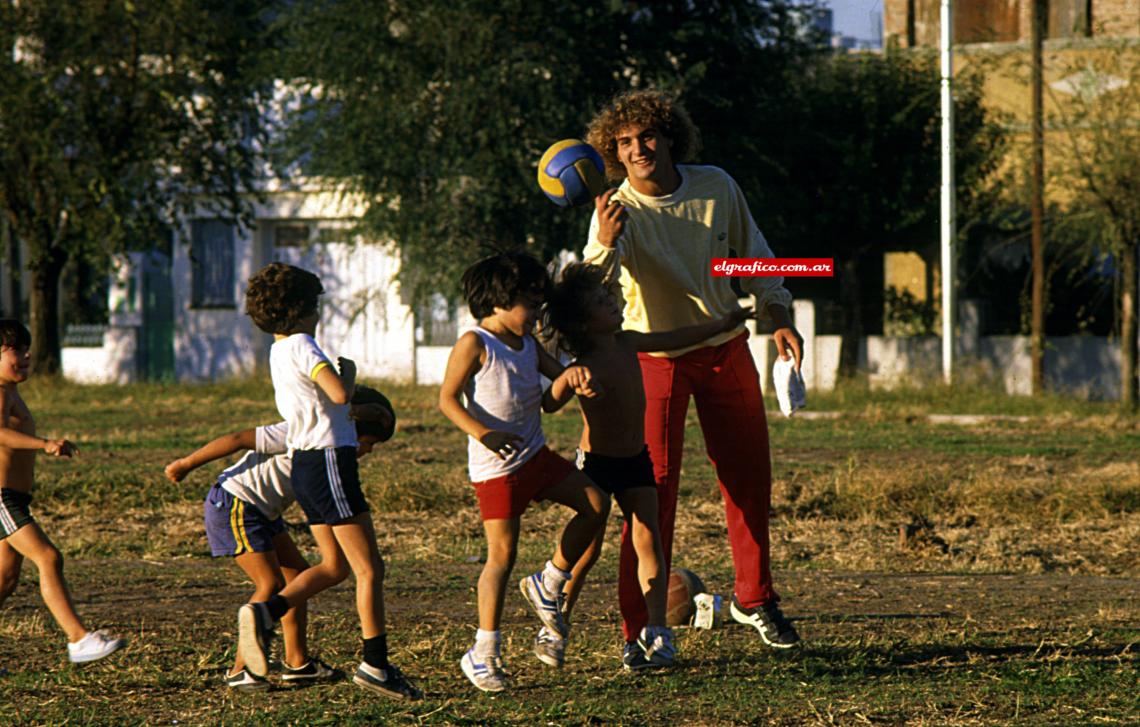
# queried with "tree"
point(1102, 165)
point(436, 113)
point(851, 165)
point(115, 116)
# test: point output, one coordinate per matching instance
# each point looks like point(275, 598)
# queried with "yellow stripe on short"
point(317, 369)
point(237, 524)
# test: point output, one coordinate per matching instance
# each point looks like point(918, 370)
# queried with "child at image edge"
point(498, 367)
point(585, 313)
point(313, 398)
point(20, 535)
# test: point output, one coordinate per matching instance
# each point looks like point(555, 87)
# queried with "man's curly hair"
point(279, 296)
point(564, 317)
point(650, 109)
point(499, 281)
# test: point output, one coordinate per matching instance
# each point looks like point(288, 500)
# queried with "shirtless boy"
point(586, 315)
point(20, 535)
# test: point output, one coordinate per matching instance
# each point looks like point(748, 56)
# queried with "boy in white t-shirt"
point(243, 515)
point(313, 399)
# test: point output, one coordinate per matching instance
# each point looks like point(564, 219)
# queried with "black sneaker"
point(255, 631)
point(245, 682)
point(775, 630)
point(633, 658)
point(313, 672)
point(390, 682)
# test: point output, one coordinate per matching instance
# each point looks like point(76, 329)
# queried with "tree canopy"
point(437, 112)
point(116, 116)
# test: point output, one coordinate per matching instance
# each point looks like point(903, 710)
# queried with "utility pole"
point(947, 222)
point(1036, 203)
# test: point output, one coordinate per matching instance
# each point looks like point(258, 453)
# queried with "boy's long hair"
point(650, 109)
point(499, 281)
point(14, 334)
point(280, 295)
point(564, 317)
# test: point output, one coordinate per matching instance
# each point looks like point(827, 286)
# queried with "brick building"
point(914, 23)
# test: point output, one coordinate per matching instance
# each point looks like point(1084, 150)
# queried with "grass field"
point(983, 571)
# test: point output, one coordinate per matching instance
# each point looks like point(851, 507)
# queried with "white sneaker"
point(547, 606)
point(656, 642)
point(549, 647)
point(95, 645)
point(485, 672)
point(255, 631)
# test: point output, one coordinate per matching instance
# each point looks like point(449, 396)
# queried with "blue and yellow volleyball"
point(571, 172)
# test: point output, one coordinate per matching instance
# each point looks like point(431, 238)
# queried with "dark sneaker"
point(633, 658)
point(390, 682)
point(656, 643)
point(255, 631)
point(775, 630)
point(313, 672)
point(246, 682)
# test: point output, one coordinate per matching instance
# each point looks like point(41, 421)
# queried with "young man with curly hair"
point(661, 228)
point(313, 398)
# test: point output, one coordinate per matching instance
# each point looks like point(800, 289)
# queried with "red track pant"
point(724, 382)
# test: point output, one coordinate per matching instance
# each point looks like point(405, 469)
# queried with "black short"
point(617, 474)
point(327, 484)
point(14, 512)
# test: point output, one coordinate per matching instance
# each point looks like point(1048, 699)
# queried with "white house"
point(182, 316)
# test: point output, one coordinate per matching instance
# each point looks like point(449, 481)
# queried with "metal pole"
point(947, 221)
point(1037, 203)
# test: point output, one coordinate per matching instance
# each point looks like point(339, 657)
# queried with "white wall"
point(1084, 366)
point(362, 315)
point(431, 363)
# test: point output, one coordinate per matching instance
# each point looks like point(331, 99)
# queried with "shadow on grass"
point(878, 661)
point(836, 618)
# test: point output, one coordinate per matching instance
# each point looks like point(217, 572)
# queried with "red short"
point(507, 497)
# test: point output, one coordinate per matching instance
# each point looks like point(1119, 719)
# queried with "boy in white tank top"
point(498, 368)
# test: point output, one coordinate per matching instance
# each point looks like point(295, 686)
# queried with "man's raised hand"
point(611, 218)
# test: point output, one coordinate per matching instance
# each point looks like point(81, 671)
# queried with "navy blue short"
point(616, 474)
point(327, 485)
point(234, 527)
point(14, 513)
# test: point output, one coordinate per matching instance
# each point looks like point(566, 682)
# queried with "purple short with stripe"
point(234, 527)
point(327, 484)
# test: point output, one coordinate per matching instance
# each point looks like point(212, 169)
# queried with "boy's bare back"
point(17, 466)
point(614, 423)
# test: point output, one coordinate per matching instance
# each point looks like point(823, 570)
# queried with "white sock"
point(487, 642)
point(553, 578)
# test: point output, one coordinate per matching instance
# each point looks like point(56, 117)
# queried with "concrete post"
point(803, 314)
point(969, 328)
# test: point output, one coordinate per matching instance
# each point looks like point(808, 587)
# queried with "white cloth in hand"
point(790, 392)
